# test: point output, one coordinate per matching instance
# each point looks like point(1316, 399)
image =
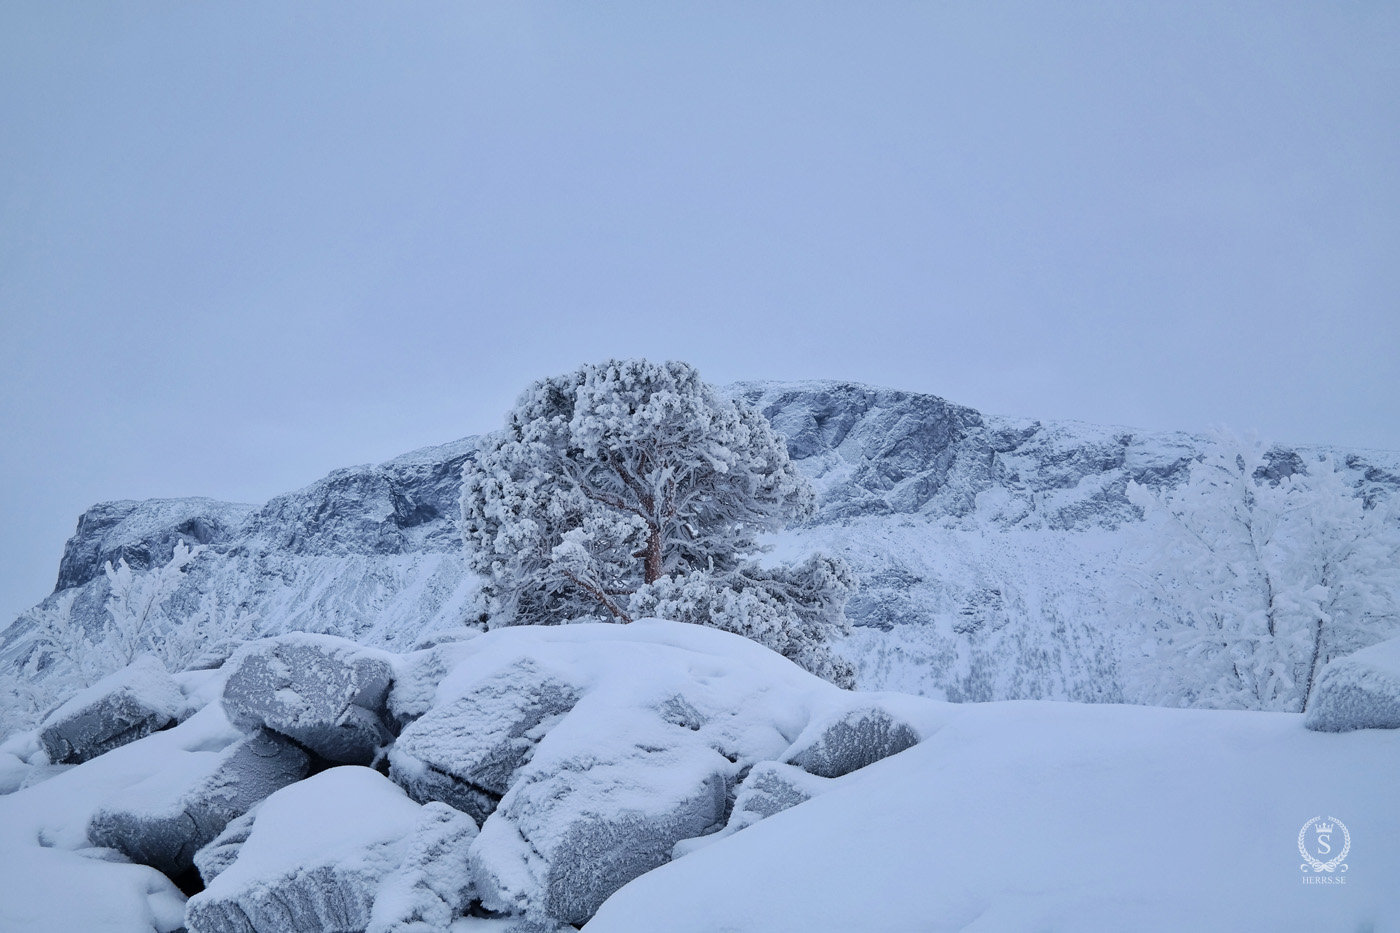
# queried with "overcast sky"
point(244, 244)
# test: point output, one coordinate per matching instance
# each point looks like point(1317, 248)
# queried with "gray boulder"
point(154, 826)
point(326, 693)
point(538, 925)
point(600, 853)
point(222, 850)
point(851, 741)
point(568, 836)
point(769, 788)
point(465, 751)
point(432, 884)
point(1359, 691)
point(772, 788)
point(120, 708)
point(314, 860)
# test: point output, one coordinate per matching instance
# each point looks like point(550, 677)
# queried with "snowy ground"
point(1009, 816)
point(1055, 816)
point(51, 878)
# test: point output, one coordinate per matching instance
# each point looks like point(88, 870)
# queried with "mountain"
point(989, 549)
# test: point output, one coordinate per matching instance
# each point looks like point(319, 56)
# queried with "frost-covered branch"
point(1253, 584)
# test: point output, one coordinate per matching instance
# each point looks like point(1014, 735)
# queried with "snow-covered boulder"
point(160, 825)
point(321, 852)
point(465, 752)
point(122, 707)
point(851, 740)
point(52, 878)
point(432, 883)
point(326, 693)
point(595, 825)
point(222, 850)
point(772, 788)
point(1359, 691)
point(610, 746)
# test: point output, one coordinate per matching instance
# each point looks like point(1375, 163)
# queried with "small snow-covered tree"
point(30, 690)
point(1256, 580)
point(62, 656)
point(623, 475)
point(1345, 559)
point(137, 622)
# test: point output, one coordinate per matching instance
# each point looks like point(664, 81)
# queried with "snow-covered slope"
point(987, 548)
point(1056, 816)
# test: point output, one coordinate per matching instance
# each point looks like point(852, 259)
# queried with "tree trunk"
point(653, 556)
point(1312, 665)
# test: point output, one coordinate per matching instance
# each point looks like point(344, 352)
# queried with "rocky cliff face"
point(883, 452)
point(985, 546)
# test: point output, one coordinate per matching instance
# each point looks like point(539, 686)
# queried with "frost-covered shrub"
point(632, 488)
point(794, 610)
point(1255, 581)
point(63, 657)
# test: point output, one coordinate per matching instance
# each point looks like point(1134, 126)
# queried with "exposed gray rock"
point(538, 925)
point(144, 533)
point(122, 707)
point(222, 850)
point(164, 827)
point(433, 883)
point(858, 738)
point(902, 446)
point(314, 860)
point(591, 847)
point(599, 854)
point(319, 899)
point(465, 751)
point(325, 692)
point(1359, 691)
point(769, 788)
point(772, 788)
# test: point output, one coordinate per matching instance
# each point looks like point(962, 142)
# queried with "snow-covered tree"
point(1347, 557)
point(139, 620)
point(62, 656)
point(1257, 579)
point(623, 475)
point(59, 661)
point(136, 619)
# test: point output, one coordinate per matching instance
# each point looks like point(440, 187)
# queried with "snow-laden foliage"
point(1257, 579)
point(632, 484)
point(139, 621)
point(794, 610)
point(64, 656)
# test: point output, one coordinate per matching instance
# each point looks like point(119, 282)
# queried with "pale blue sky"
point(243, 244)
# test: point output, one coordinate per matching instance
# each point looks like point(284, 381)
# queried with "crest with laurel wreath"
point(1317, 865)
